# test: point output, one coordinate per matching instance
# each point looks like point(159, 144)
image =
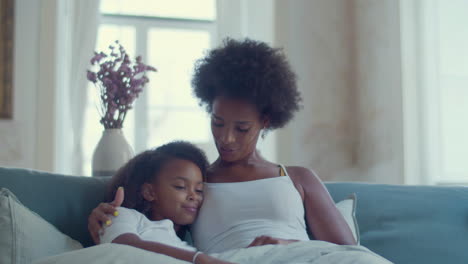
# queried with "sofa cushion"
point(25, 236)
point(347, 208)
point(411, 224)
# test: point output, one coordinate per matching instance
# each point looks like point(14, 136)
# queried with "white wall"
point(318, 40)
point(28, 140)
point(347, 57)
point(379, 89)
point(18, 136)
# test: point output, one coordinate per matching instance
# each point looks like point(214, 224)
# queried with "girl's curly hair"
point(249, 70)
point(144, 167)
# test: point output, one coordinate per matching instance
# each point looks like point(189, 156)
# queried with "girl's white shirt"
point(134, 222)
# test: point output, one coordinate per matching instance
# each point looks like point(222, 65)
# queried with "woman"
point(249, 89)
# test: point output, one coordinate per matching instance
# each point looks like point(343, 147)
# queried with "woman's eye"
point(217, 124)
point(199, 191)
point(243, 130)
point(179, 187)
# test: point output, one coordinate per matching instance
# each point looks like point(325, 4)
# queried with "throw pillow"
point(347, 208)
point(25, 236)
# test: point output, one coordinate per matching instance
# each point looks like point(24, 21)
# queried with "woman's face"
point(236, 126)
point(177, 192)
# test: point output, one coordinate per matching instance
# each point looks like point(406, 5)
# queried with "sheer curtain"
point(83, 28)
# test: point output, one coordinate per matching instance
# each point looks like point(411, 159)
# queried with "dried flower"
point(119, 81)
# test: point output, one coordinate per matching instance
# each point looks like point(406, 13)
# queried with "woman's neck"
point(253, 158)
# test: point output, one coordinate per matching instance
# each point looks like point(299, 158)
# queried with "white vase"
point(112, 151)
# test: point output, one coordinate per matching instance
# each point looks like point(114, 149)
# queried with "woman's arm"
point(182, 254)
point(101, 215)
point(322, 216)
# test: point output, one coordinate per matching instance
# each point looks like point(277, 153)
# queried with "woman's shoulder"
point(301, 172)
point(304, 178)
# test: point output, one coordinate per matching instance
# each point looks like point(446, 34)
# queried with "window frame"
point(142, 26)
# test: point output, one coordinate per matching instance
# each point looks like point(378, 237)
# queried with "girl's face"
point(176, 193)
point(236, 126)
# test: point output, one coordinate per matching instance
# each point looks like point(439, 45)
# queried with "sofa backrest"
point(405, 224)
point(64, 201)
point(411, 224)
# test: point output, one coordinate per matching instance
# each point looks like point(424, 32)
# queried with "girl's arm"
point(322, 216)
point(182, 254)
point(268, 240)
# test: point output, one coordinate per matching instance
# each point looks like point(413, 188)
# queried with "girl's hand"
point(206, 259)
point(100, 215)
point(268, 240)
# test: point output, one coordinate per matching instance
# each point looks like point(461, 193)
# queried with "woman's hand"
point(101, 214)
point(268, 240)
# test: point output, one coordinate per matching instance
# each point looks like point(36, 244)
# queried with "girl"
point(163, 191)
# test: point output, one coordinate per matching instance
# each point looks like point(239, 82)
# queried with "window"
point(452, 72)
point(171, 36)
point(437, 39)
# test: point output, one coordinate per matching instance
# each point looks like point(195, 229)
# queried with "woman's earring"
point(263, 133)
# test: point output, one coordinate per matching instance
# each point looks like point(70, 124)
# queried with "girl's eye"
point(199, 191)
point(243, 130)
point(179, 187)
point(217, 124)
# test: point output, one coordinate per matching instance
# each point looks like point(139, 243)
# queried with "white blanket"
point(306, 252)
point(315, 252)
point(110, 254)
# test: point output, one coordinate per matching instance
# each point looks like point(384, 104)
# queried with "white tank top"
point(234, 214)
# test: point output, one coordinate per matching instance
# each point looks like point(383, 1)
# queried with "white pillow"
point(347, 208)
point(25, 236)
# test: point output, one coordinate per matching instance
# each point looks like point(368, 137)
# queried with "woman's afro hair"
point(249, 70)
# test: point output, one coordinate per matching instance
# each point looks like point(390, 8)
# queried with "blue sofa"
point(405, 224)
